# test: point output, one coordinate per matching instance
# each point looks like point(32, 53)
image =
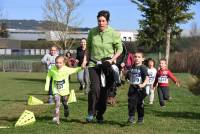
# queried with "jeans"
point(83, 78)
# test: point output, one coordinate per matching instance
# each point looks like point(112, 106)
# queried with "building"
point(33, 35)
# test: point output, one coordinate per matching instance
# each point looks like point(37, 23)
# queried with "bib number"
point(60, 85)
point(136, 80)
point(151, 80)
point(163, 79)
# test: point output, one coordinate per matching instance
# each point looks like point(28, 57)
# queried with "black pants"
point(112, 91)
point(136, 101)
point(163, 94)
point(97, 96)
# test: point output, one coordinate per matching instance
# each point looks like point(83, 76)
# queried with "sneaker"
point(89, 118)
point(131, 120)
point(140, 121)
point(99, 119)
point(56, 120)
point(81, 87)
point(163, 106)
point(50, 100)
point(150, 102)
point(66, 112)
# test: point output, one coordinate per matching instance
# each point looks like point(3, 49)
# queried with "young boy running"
point(136, 94)
point(60, 85)
point(162, 79)
point(152, 75)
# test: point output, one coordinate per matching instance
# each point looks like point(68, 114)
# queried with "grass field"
point(182, 114)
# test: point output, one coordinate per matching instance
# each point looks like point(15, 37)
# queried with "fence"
point(21, 66)
point(29, 52)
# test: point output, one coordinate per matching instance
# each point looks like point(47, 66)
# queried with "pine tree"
point(160, 23)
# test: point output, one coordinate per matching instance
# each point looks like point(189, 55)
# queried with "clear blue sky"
point(124, 14)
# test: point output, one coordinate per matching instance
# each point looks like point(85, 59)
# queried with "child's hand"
point(141, 86)
point(178, 83)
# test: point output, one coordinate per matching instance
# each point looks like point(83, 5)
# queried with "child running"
point(60, 85)
point(162, 79)
point(136, 94)
point(152, 75)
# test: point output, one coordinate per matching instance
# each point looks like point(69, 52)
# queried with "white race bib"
point(135, 80)
point(163, 79)
point(151, 80)
point(59, 85)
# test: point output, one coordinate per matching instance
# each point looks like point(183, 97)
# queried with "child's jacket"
point(162, 78)
point(60, 82)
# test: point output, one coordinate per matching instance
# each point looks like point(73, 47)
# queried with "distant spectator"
point(83, 76)
point(70, 61)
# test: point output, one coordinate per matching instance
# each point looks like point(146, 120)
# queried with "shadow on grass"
point(30, 79)
point(15, 100)
point(184, 115)
point(9, 119)
point(49, 119)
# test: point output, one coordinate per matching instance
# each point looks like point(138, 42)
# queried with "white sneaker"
point(56, 120)
point(150, 102)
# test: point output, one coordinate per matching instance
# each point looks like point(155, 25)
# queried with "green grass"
point(181, 116)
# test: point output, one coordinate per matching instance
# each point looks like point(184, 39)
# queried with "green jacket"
point(60, 83)
point(103, 44)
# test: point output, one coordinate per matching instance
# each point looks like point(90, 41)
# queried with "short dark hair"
point(139, 51)
point(151, 59)
point(105, 14)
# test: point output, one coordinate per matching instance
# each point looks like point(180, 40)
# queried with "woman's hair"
point(105, 14)
point(83, 39)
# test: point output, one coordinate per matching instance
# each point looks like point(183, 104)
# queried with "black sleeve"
point(144, 72)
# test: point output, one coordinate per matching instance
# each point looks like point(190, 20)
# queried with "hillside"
point(32, 24)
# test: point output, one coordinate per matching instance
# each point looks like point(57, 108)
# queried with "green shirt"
point(60, 83)
point(103, 44)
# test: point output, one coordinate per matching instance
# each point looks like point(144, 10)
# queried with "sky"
point(124, 14)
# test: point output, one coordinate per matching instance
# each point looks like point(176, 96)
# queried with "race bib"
point(151, 80)
point(136, 80)
point(163, 79)
point(59, 85)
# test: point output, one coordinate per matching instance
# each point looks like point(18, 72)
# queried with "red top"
point(162, 78)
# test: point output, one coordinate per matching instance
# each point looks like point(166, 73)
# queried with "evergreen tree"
point(160, 23)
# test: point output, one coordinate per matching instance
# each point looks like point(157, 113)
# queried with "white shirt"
point(152, 75)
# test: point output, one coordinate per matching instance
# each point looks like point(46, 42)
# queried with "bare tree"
point(59, 15)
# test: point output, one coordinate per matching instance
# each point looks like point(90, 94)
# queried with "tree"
point(59, 14)
point(161, 19)
point(3, 26)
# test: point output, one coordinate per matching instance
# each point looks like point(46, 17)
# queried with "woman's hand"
point(110, 61)
point(83, 65)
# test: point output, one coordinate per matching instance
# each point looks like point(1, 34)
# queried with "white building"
point(128, 35)
point(19, 34)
